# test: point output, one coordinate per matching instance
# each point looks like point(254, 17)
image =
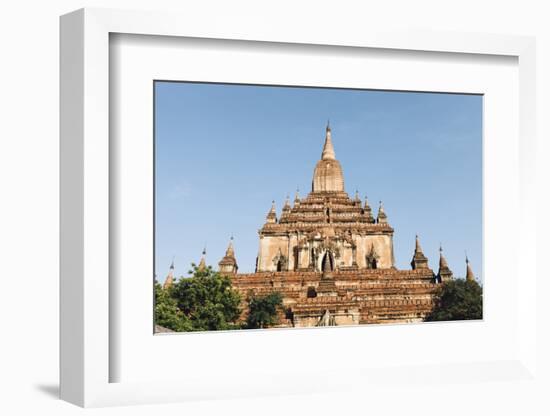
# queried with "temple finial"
point(444, 273)
point(419, 260)
point(328, 148)
point(469, 272)
point(382, 218)
point(202, 263)
point(442, 259)
point(228, 264)
point(286, 206)
point(169, 281)
point(272, 214)
point(417, 247)
point(230, 250)
point(367, 211)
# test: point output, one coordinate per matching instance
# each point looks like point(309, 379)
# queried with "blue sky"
point(224, 152)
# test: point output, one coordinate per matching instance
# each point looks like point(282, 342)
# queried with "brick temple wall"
point(357, 297)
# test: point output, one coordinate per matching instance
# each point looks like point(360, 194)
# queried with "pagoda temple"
point(333, 260)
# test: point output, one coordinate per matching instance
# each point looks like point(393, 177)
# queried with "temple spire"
point(419, 260)
point(442, 259)
point(367, 211)
point(328, 175)
point(444, 273)
point(272, 214)
point(228, 264)
point(169, 281)
point(230, 250)
point(328, 148)
point(286, 207)
point(382, 218)
point(202, 263)
point(469, 273)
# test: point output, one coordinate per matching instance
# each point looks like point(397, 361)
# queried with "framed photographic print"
point(282, 213)
point(327, 257)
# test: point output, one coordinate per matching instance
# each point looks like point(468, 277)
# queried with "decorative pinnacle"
point(272, 214)
point(202, 263)
point(328, 148)
point(286, 207)
point(230, 252)
point(469, 273)
point(442, 260)
point(328, 125)
point(417, 247)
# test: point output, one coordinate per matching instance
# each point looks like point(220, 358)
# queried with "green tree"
point(207, 300)
point(167, 313)
point(457, 300)
point(262, 310)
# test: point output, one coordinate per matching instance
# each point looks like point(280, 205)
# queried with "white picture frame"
point(86, 166)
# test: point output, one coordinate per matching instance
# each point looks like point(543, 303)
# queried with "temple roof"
point(327, 203)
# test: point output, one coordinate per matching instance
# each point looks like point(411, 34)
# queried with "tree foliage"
point(457, 300)
point(263, 310)
point(204, 302)
point(167, 313)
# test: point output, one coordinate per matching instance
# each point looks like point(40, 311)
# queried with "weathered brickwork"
point(356, 297)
